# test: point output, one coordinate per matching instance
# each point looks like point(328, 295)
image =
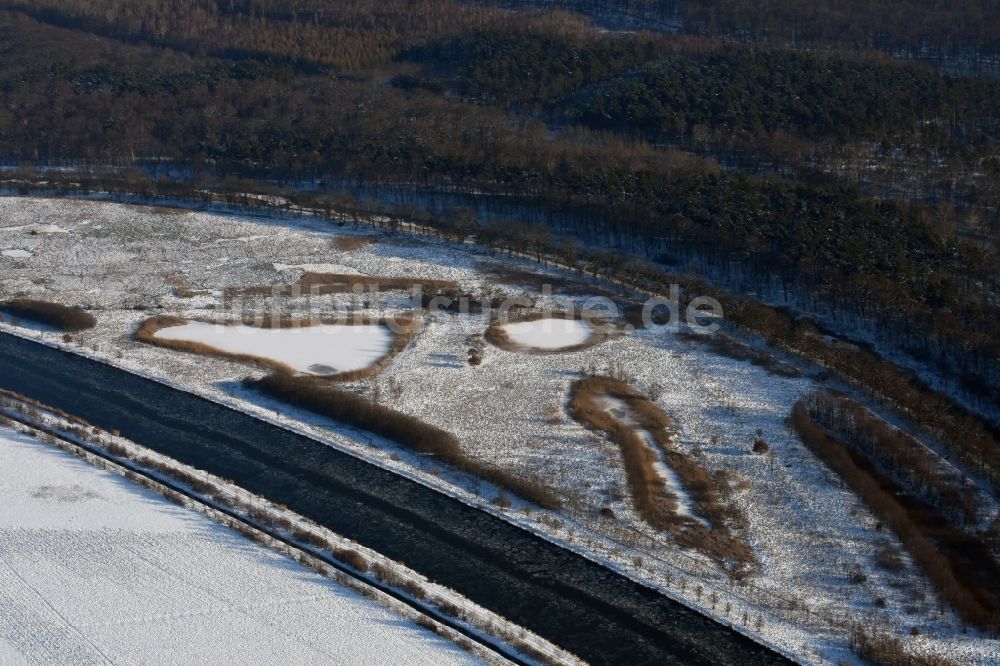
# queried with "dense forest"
point(963, 34)
point(636, 143)
point(770, 111)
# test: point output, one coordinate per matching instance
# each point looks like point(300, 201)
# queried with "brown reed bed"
point(409, 431)
point(351, 243)
point(897, 453)
point(63, 317)
point(654, 502)
point(729, 347)
point(959, 566)
point(322, 284)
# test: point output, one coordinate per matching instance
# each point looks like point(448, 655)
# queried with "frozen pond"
point(549, 334)
point(321, 350)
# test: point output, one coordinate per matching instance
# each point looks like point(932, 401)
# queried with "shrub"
point(352, 558)
point(63, 317)
point(475, 356)
point(888, 558)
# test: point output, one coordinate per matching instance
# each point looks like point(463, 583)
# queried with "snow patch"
point(16, 254)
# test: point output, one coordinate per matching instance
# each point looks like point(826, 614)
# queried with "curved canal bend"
point(597, 614)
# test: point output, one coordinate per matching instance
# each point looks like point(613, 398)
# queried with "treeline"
point(819, 97)
point(683, 85)
point(876, 123)
point(974, 605)
point(319, 396)
point(339, 35)
point(530, 67)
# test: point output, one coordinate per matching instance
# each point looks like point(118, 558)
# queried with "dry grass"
point(187, 292)
point(62, 317)
point(652, 499)
point(322, 284)
point(323, 398)
point(504, 273)
point(960, 568)
point(403, 330)
point(881, 649)
point(158, 210)
point(351, 243)
point(497, 336)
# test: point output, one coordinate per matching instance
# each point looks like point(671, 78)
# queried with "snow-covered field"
point(94, 569)
point(811, 534)
point(319, 350)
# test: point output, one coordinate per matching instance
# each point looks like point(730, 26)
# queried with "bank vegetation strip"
point(63, 317)
point(401, 330)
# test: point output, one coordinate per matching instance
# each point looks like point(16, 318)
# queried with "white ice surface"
point(549, 333)
point(16, 254)
point(94, 569)
point(321, 350)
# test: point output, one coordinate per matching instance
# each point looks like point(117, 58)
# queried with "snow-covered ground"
point(320, 350)
point(94, 569)
point(810, 533)
point(550, 334)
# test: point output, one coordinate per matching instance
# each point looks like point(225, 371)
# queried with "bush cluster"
point(63, 317)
